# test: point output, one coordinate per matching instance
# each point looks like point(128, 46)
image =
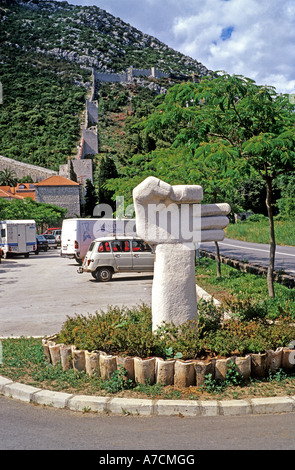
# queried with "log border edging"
point(176, 372)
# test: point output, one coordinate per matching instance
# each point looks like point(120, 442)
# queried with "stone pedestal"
point(174, 296)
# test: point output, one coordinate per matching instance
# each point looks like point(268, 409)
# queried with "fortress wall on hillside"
point(111, 77)
point(21, 169)
point(127, 77)
point(91, 113)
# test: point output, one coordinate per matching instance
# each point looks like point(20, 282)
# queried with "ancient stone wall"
point(89, 140)
point(91, 113)
point(82, 168)
point(127, 77)
point(21, 169)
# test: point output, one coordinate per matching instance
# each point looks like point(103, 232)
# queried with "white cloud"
point(260, 46)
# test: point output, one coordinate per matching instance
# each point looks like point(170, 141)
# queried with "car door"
point(142, 256)
point(122, 255)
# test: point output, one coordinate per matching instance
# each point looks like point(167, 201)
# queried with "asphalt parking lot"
point(38, 293)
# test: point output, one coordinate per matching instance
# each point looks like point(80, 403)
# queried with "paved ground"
point(25, 426)
point(37, 294)
point(256, 253)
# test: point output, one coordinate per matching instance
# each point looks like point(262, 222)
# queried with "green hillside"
point(46, 51)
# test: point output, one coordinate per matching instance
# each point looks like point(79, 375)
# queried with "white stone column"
point(174, 287)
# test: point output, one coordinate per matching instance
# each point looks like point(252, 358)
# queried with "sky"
point(254, 38)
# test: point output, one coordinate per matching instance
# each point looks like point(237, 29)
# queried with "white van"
point(18, 237)
point(77, 234)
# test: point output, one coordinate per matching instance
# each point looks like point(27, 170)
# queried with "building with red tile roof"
point(5, 193)
point(61, 192)
point(56, 190)
point(56, 181)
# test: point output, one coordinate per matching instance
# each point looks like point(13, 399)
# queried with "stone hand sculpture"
point(172, 218)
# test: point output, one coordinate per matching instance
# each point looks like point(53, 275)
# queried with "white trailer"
point(77, 234)
point(18, 237)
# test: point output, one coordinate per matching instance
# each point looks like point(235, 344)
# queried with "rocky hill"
point(87, 36)
point(47, 50)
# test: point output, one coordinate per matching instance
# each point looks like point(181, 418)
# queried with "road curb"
point(145, 407)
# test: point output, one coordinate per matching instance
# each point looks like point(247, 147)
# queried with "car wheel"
point(103, 274)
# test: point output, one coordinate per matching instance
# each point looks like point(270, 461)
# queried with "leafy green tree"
point(107, 170)
point(238, 123)
point(287, 202)
point(91, 198)
point(44, 214)
point(26, 179)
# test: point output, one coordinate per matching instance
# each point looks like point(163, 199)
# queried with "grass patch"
point(241, 291)
point(258, 231)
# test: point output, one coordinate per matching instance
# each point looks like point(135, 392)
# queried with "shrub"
point(124, 331)
point(253, 336)
point(129, 332)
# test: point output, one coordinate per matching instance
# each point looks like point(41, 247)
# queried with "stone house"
point(61, 192)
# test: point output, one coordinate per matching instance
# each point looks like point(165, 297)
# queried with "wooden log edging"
point(175, 372)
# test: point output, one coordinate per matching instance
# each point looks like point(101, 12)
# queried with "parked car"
point(52, 243)
point(109, 255)
point(42, 244)
point(56, 232)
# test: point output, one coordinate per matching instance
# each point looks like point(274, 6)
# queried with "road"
point(256, 253)
point(38, 293)
point(28, 427)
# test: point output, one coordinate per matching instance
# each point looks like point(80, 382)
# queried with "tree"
point(42, 213)
point(8, 178)
point(90, 198)
point(107, 170)
point(73, 175)
point(286, 203)
point(26, 179)
point(232, 120)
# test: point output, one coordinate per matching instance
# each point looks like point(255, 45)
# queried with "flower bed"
point(173, 355)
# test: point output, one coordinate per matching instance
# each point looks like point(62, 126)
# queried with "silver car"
point(110, 255)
